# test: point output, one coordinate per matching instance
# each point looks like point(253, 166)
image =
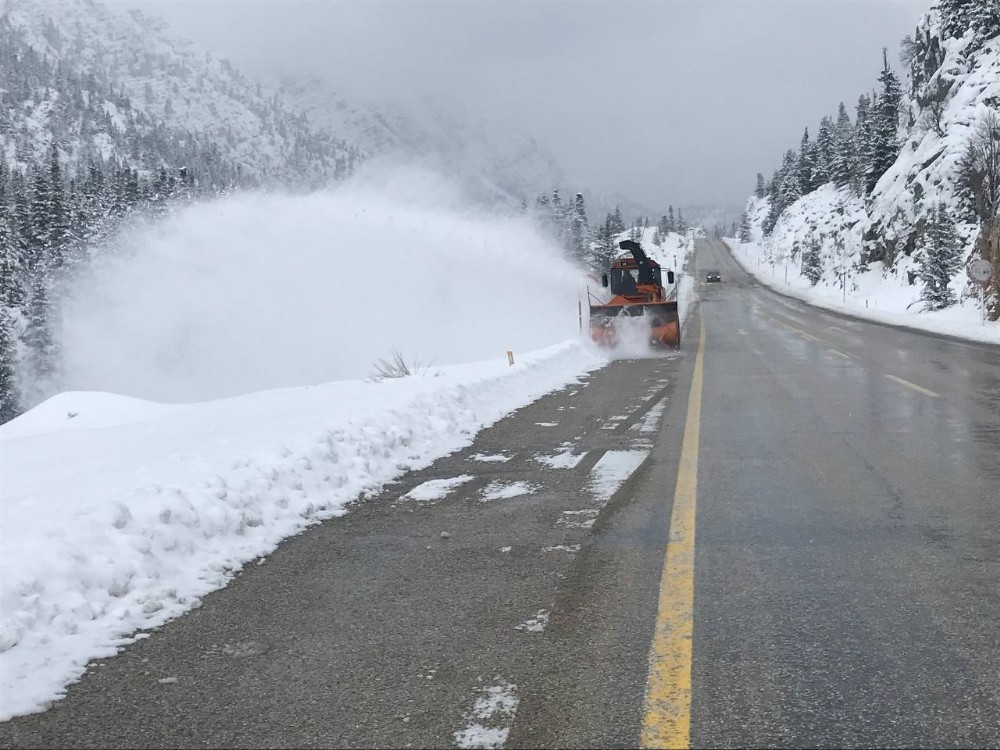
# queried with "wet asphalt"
point(846, 569)
point(848, 554)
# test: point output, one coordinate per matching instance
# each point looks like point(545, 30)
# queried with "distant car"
point(713, 276)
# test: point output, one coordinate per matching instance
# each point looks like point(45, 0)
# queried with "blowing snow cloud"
point(264, 291)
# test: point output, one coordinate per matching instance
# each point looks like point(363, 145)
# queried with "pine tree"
point(812, 262)
point(604, 249)
point(941, 258)
point(843, 149)
point(823, 155)
point(38, 333)
point(863, 144)
point(617, 223)
point(681, 225)
point(806, 165)
point(9, 407)
point(744, 230)
point(761, 190)
point(12, 270)
point(885, 140)
point(790, 189)
point(663, 226)
point(671, 224)
point(579, 229)
point(57, 231)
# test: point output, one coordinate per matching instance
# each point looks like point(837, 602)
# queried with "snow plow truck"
point(638, 298)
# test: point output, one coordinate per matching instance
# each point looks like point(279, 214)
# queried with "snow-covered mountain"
point(954, 87)
point(125, 88)
point(492, 163)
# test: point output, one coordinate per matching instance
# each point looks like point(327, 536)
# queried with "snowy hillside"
point(157, 86)
point(884, 243)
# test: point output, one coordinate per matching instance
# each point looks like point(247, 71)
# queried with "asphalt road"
point(845, 567)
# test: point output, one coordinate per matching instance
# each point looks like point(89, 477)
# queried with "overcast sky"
point(666, 101)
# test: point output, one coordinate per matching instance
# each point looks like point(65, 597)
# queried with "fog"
point(264, 291)
point(665, 101)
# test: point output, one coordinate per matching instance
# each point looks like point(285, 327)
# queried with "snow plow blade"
point(661, 317)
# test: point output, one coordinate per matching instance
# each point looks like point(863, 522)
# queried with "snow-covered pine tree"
point(681, 225)
point(843, 149)
point(806, 164)
point(604, 248)
point(824, 154)
point(791, 185)
point(744, 230)
point(9, 407)
point(885, 138)
point(37, 234)
point(579, 229)
point(12, 270)
point(57, 229)
point(812, 262)
point(761, 190)
point(38, 332)
point(941, 258)
point(671, 224)
point(863, 144)
point(617, 222)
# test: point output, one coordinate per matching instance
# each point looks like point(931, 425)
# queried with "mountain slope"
point(128, 75)
point(954, 89)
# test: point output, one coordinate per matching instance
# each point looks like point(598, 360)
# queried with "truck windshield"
point(623, 280)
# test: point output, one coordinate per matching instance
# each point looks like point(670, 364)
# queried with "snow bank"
point(886, 299)
point(117, 514)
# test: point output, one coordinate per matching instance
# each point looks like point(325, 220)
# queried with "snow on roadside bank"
point(117, 514)
point(869, 296)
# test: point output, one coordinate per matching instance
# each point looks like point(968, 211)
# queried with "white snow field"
point(217, 398)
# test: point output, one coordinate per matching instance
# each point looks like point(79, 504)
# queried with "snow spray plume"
point(263, 291)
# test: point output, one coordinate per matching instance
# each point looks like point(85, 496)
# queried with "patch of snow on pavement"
point(436, 489)
point(547, 424)
point(650, 422)
point(535, 624)
point(578, 519)
point(507, 490)
point(611, 472)
point(490, 458)
point(565, 459)
point(490, 719)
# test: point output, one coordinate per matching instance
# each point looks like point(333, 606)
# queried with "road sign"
point(980, 271)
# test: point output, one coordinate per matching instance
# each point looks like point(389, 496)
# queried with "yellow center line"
point(913, 386)
point(809, 336)
point(840, 353)
point(667, 721)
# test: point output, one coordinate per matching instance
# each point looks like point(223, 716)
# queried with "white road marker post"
point(510, 358)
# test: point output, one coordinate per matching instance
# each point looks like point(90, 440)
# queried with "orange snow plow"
point(639, 301)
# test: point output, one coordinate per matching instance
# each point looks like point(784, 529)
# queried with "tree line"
point(594, 246)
